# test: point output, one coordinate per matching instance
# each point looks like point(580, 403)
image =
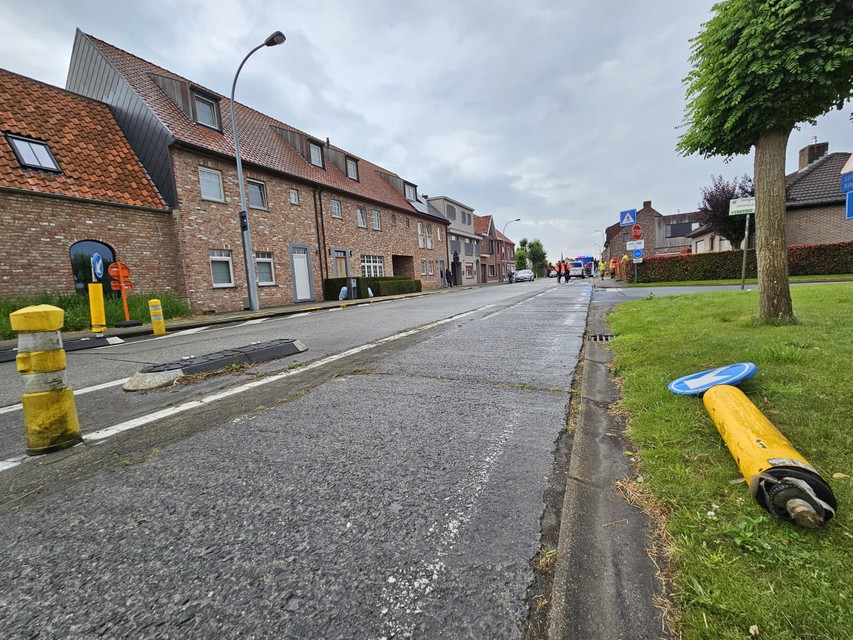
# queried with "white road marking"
point(102, 434)
point(77, 392)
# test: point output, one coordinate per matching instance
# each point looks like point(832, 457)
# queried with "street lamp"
point(506, 262)
point(275, 39)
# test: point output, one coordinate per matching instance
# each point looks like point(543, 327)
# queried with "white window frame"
point(352, 168)
point(264, 257)
point(263, 192)
point(438, 233)
point(410, 191)
point(421, 241)
point(312, 148)
point(197, 98)
point(372, 266)
point(221, 255)
point(337, 211)
point(376, 220)
point(212, 173)
point(423, 267)
point(431, 267)
point(429, 236)
point(294, 196)
point(361, 217)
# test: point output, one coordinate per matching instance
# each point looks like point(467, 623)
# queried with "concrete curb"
point(604, 581)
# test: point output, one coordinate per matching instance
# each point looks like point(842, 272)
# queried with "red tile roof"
point(96, 160)
point(259, 143)
point(482, 224)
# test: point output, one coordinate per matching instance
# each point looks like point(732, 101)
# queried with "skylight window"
point(33, 154)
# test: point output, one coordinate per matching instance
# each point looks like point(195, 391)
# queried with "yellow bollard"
point(156, 311)
point(96, 308)
point(779, 477)
point(50, 416)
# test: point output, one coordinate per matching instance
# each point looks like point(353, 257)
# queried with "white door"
point(301, 274)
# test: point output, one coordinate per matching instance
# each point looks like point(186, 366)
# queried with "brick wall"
point(818, 225)
point(38, 232)
point(206, 225)
point(398, 237)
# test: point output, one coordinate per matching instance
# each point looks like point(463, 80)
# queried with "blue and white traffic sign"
point(698, 383)
point(627, 218)
point(97, 265)
point(849, 205)
point(847, 182)
point(638, 253)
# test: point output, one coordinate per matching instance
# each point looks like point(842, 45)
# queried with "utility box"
point(353, 288)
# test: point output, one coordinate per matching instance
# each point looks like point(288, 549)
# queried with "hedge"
point(803, 260)
point(382, 286)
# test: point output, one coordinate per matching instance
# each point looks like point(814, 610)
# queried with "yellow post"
point(780, 479)
point(50, 416)
point(156, 311)
point(96, 308)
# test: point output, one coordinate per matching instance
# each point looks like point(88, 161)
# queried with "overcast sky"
point(558, 112)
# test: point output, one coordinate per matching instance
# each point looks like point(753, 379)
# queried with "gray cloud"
point(560, 113)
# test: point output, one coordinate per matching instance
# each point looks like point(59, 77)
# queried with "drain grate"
point(599, 337)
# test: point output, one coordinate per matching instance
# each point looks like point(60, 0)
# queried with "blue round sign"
point(97, 265)
point(698, 383)
point(638, 253)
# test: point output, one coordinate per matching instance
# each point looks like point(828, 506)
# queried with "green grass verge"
point(843, 277)
point(735, 566)
point(77, 316)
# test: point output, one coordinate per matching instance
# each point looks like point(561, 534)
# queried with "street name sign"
point(849, 205)
point(627, 218)
point(741, 206)
point(847, 182)
point(631, 245)
point(698, 383)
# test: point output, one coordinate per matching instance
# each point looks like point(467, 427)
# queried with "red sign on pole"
point(636, 232)
point(121, 271)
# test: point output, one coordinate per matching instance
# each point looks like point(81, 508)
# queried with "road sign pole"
point(745, 244)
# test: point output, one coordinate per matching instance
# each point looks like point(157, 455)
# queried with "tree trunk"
point(771, 240)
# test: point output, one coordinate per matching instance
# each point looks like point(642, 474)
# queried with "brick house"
point(815, 205)
point(462, 243)
point(70, 186)
point(663, 235)
point(506, 247)
point(315, 211)
point(490, 245)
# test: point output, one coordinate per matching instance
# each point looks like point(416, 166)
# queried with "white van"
point(576, 270)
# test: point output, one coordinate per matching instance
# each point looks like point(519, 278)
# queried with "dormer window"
point(352, 168)
point(316, 155)
point(411, 191)
point(33, 154)
point(206, 111)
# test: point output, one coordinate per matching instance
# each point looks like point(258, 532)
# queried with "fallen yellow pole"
point(780, 479)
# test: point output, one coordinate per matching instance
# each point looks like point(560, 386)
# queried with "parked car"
point(552, 273)
point(524, 275)
point(576, 270)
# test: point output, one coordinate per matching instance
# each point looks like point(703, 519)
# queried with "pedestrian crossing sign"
point(627, 218)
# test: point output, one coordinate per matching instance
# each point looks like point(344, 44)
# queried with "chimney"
point(647, 204)
point(815, 151)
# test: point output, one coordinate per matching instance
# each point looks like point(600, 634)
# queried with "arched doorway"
point(81, 254)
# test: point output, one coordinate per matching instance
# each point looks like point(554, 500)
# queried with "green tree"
point(537, 255)
point(520, 258)
point(760, 67)
point(714, 207)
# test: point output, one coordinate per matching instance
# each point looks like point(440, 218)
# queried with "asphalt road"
point(394, 491)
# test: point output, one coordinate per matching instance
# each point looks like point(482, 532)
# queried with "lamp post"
point(504, 243)
point(275, 39)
